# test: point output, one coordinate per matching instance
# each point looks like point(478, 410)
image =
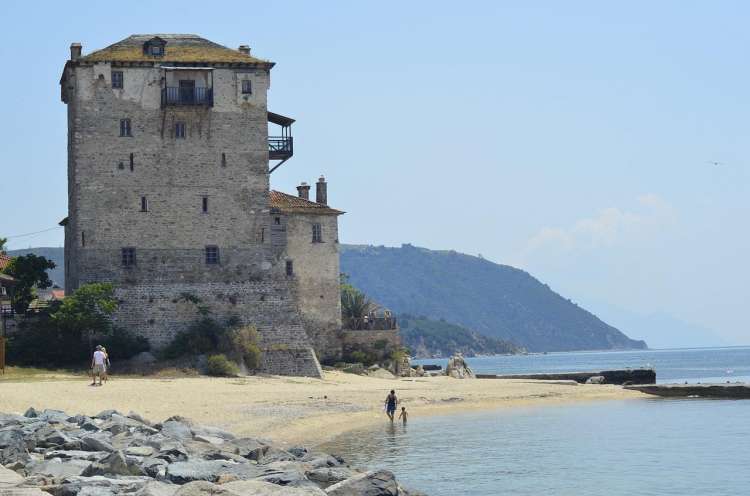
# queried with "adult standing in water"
point(390, 404)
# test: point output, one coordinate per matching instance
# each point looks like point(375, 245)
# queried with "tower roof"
point(295, 204)
point(178, 48)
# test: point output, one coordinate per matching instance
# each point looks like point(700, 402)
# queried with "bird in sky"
point(713, 162)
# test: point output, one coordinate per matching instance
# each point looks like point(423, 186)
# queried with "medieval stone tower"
point(168, 191)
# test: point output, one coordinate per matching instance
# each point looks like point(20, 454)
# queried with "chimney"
point(244, 49)
point(75, 51)
point(321, 191)
point(303, 191)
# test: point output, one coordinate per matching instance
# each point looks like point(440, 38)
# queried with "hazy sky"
point(571, 139)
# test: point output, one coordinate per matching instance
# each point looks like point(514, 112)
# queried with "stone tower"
point(168, 190)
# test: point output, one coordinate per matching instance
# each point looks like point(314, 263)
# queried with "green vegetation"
point(3, 241)
point(428, 338)
point(494, 300)
point(354, 303)
point(206, 336)
point(221, 366)
point(30, 272)
point(66, 334)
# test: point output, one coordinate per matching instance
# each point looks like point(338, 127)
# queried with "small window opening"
point(128, 257)
point(204, 205)
point(317, 233)
point(212, 255)
point(132, 162)
point(121, 166)
point(125, 127)
point(157, 50)
point(179, 130)
point(262, 234)
point(289, 268)
point(277, 221)
point(247, 87)
point(144, 204)
point(83, 238)
point(223, 159)
point(117, 79)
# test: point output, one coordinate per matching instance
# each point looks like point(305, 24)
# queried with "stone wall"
point(316, 276)
point(381, 342)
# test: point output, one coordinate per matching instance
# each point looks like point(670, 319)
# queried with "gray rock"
point(92, 456)
point(328, 476)
point(9, 478)
point(372, 483)
point(176, 430)
point(139, 451)
point(596, 379)
point(16, 454)
point(96, 443)
point(54, 416)
point(57, 468)
point(203, 488)
point(250, 448)
point(199, 470)
point(31, 413)
point(154, 467)
point(213, 432)
point(260, 488)
point(100, 486)
point(106, 414)
point(156, 488)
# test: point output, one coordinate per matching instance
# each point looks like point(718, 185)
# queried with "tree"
point(2, 244)
point(354, 303)
point(30, 272)
point(88, 310)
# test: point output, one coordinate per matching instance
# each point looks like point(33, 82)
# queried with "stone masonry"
point(168, 193)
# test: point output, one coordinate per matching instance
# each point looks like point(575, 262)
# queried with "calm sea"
point(643, 447)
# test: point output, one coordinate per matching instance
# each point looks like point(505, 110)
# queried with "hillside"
point(56, 254)
point(492, 299)
point(427, 338)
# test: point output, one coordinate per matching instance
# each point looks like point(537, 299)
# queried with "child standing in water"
point(403, 415)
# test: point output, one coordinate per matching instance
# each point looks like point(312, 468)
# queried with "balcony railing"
point(280, 147)
point(187, 96)
point(371, 324)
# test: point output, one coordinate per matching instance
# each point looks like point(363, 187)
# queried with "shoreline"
point(293, 410)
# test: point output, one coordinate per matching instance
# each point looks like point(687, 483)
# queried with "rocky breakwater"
point(51, 452)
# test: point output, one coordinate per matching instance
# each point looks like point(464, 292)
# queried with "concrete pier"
point(623, 376)
point(719, 391)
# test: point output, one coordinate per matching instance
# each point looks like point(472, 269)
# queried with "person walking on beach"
point(403, 415)
point(390, 404)
point(97, 365)
point(107, 364)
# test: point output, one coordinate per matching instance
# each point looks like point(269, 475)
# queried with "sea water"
point(650, 446)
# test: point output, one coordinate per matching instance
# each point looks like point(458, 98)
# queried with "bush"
point(221, 366)
point(242, 343)
point(359, 356)
point(122, 344)
point(200, 338)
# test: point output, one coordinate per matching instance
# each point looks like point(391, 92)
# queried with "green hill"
point(427, 338)
point(56, 254)
point(492, 299)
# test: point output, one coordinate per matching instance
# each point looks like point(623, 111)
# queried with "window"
point(289, 268)
point(83, 238)
point(212, 255)
point(247, 87)
point(117, 79)
point(262, 234)
point(132, 164)
point(179, 130)
point(277, 221)
point(3, 291)
point(157, 50)
point(144, 204)
point(223, 159)
point(125, 127)
point(128, 257)
point(204, 205)
point(317, 233)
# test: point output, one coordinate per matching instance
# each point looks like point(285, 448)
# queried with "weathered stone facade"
point(168, 193)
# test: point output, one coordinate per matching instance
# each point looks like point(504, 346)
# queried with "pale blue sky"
point(571, 139)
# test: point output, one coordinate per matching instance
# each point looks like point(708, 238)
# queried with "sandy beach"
point(291, 409)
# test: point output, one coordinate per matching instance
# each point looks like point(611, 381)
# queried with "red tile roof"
point(295, 204)
point(58, 294)
point(4, 260)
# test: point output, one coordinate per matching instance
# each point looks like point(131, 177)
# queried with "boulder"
point(328, 476)
point(31, 413)
point(372, 483)
point(203, 488)
point(176, 430)
point(9, 478)
point(596, 379)
point(96, 443)
point(458, 368)
point(156, 488)
point(56, 468)
point(260, 488)
point(143, 451)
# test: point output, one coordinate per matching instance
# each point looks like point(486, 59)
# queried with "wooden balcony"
point(187, 96)
point(280, 147)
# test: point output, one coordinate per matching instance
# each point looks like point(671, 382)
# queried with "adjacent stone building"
point(168, 198)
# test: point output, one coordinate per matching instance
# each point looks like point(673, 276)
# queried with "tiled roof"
point(4, 260)
point(180, 48)
point(295, 204)
point(58, 294)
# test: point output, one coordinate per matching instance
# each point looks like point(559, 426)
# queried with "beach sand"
point(291, 409)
